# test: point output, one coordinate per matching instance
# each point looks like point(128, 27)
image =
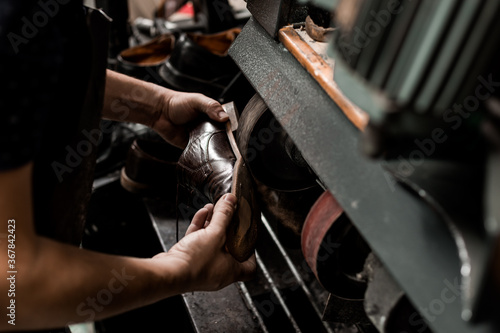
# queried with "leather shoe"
point(200, 63)
point(210, 167)
point(150, 167)
point(143, 61)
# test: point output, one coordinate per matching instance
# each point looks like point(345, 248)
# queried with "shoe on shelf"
point(150, 168)
point(212, 166)
point(143, 61)
point(200, 63)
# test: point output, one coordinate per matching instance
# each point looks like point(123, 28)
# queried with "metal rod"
point(250, 304)
point(296, 274)
point(276, 292)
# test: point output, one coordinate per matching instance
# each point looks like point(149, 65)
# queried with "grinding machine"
point(372, 136)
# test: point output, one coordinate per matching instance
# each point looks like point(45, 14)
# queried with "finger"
point(248, 269)
point(210, 208)
point(198, 221)
point(210, 107)
point(223, 212)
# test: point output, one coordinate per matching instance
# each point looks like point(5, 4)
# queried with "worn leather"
point(150, 53)
point(218, 43)
point(151, 165)
point(143, 61)
point(206, 165)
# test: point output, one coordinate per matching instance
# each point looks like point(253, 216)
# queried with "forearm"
point(65, 284)
point(132, 100)
point(166, 111)
point(58, 283)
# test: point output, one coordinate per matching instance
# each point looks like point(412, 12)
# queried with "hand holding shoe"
point(166, 111)
point(179, 110)
point(201, 258)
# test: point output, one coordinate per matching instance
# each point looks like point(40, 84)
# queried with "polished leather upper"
point(206, 165)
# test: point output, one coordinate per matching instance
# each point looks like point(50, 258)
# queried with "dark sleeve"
point(29, 66)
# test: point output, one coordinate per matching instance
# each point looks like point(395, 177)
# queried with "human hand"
point(178, 110)
point(201, 258)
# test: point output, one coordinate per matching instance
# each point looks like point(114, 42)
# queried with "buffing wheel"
point(272, 157)
point(334, 249)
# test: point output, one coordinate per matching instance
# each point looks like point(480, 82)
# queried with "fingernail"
point(230, 198)
point(222, 115)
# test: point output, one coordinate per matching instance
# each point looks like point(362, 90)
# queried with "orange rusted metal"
point(322, 73)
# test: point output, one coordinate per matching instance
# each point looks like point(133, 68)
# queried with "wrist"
point(159, 102)
point(168, 277)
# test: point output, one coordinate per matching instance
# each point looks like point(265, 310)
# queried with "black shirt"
point(44, 70)
point(46, 62)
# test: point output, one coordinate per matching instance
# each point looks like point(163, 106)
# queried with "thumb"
point(223, 213)
point(247, 269)
point(211, 108)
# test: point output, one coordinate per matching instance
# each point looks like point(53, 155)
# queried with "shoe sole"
point(242, 232)
point(131, 185)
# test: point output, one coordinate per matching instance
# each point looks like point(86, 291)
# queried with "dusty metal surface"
point(220, 311)
point(267, 13)
point(345, 310)
point(272, 15)
point(407, 236)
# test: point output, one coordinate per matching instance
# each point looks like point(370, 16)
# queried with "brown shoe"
point(143, 61)
point(212, 166)
point(150, 168)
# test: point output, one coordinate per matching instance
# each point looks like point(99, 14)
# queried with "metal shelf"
point(407, 236)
